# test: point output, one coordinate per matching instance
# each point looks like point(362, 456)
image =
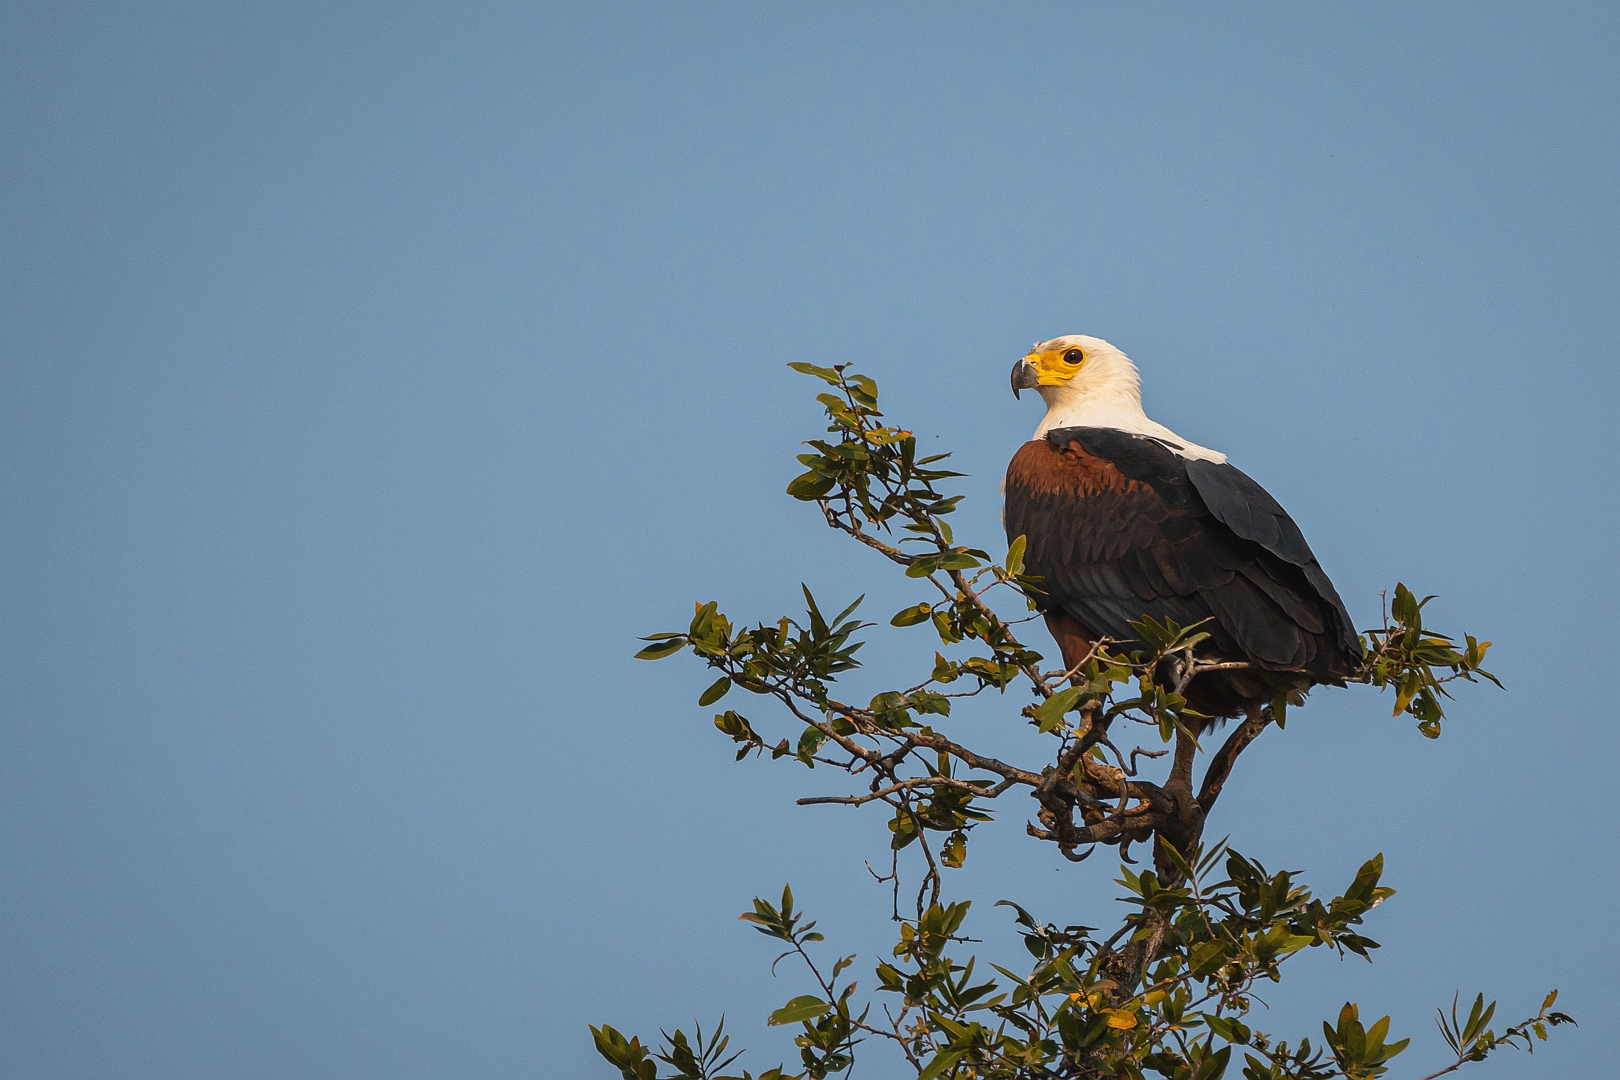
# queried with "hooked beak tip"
point(1024, 377)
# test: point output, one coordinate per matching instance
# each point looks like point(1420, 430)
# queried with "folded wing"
point(1119, 526)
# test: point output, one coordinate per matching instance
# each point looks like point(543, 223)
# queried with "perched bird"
point(1123, 518)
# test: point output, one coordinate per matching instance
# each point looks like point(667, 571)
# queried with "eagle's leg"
point(1074, 641)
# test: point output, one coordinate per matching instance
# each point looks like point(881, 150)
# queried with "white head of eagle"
point(1086, 382)
point(1123, 519)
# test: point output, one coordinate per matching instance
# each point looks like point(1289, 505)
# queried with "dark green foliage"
point(1406, 657)
point(1171, 991)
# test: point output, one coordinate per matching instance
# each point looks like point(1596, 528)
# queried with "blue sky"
point(376, 374)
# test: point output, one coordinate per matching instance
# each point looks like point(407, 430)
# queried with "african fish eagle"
point(1123, 518)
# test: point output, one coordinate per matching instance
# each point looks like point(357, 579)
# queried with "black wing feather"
point(1249, 511)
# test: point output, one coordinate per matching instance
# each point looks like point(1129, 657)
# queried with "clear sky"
point(374, 374)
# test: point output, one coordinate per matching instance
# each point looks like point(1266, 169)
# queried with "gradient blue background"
point(375, 374)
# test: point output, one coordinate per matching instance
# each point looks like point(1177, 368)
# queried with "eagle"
point(1123, 520)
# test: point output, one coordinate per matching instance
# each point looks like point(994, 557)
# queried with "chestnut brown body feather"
point(1118, 527)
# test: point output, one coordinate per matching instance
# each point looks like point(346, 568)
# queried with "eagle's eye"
point(1074, 356)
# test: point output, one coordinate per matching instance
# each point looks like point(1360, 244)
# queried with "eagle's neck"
point(1110, 397)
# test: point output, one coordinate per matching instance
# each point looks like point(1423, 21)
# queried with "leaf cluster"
point(1067, 1017)
point(1418, 662)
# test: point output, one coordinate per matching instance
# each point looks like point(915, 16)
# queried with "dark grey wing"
point(1248, 509)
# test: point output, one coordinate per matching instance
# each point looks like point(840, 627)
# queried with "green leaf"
point(911, 616)
point(1049, 713)
point(824, 374)
point(1214, 1065)
point(942, 1061)
point(627, 1054)
point(1015, 556)
point(922, 566)
point(810, 486)
point(809, 742)
point(837, 620)
point(715, 692)
point(800, 1009)
point(1208, 957)
point(740, 730)
point(703, 619)
point(1228, 1028)
point(659, 650)
point(1153, 632)
point(1404, 608)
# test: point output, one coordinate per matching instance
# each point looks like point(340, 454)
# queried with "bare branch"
point(1220, 767)
point(908, 785)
